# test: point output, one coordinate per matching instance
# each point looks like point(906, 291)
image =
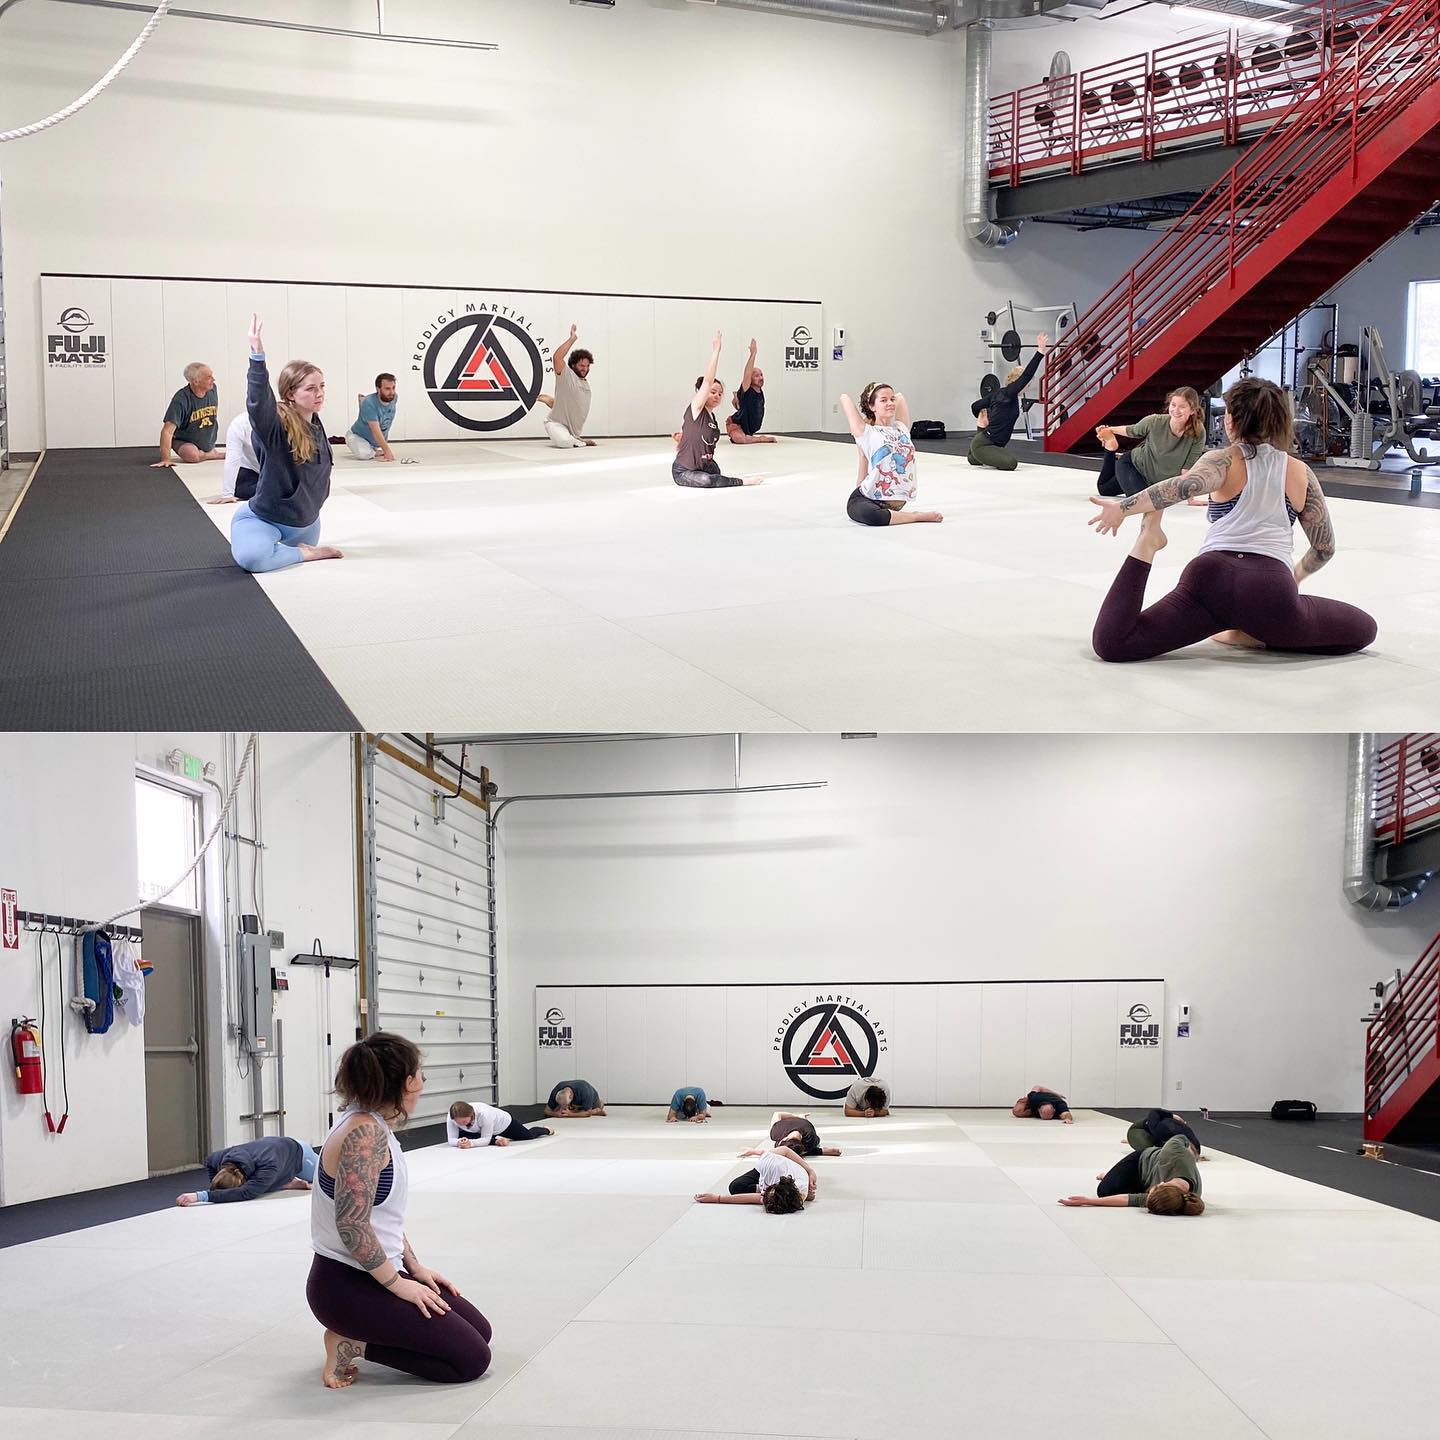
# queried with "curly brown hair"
point(868, 394)
point(783, 1197)
point(1260, 413)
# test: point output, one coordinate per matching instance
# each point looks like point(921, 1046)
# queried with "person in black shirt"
point(1042, 1103)
point(280, 524)
point(743, 427)
point(998, 414)
point(191, 425)
point(1158, 1127)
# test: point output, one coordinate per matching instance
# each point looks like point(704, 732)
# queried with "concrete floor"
point(934, 1285)
point(507, 586)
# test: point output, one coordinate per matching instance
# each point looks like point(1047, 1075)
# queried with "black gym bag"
point(927, 430)
point(1292, 1110)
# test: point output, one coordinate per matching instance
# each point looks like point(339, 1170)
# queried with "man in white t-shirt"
point(868, 1098)
point(570, 404)
point(781, 1181)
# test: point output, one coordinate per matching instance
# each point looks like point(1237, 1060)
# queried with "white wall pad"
point(508, 586)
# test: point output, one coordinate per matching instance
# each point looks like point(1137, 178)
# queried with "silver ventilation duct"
point(1361, 887)
point(916, 16)
point(978, 224)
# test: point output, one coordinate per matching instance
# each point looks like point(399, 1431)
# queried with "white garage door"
point(430, 922)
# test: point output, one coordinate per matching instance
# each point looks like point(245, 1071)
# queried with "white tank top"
point(1259, 520)
point(387, 1214)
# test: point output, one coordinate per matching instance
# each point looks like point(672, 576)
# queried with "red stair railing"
point(1365, 90)
point(1407, 787)
point(1403, 1033)
point(1214, 88)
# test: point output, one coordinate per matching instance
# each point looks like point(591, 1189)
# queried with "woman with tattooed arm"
point(1240, 588)
point(375, 1299)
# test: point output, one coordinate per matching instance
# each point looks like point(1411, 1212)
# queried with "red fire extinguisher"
point(25, 1052)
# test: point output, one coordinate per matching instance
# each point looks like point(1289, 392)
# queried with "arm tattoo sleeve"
point(1315, 522)
point(362, 1157)
point(1206, 475)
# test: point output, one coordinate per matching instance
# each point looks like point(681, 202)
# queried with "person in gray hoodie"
point(253, 1169)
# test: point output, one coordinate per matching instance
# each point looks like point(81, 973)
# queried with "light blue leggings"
point(308, 1164)
point(258, 545)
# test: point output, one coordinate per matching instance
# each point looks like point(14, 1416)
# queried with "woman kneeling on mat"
point(375, 1299)
point(1171, 444)
point(694, 465)
point(469, 1126)
point(1163, 1179)
point(999, 412)
point(280, 524)
point(797, 1133)
point(1240, 588)
point(881, 427)
point(781, 1181)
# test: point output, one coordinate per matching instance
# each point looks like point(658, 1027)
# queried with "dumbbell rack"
point(1009, 344)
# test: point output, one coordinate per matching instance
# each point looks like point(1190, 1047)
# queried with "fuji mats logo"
point(826, 1046)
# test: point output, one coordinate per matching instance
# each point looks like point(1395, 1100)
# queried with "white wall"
point(68, 845)
point(1212, 861)
point(659, 148)
point(1378, 292)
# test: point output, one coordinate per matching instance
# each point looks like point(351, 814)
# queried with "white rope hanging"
point(200, 854)
point(96, 88)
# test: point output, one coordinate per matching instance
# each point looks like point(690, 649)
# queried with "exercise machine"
point(1000, 337)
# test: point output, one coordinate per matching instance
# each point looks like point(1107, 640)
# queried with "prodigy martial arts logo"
point(827, 1046)
point(1141, 1029)
point(483, 368)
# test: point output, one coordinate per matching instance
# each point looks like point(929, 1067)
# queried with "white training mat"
point(933, 1287)
point(508, 586)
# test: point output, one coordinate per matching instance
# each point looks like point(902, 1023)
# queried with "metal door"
point(429, 950)
point(173, 1064)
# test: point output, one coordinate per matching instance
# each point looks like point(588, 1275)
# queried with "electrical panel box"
point(253, 986)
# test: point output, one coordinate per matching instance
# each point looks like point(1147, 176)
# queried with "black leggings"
point(452, 1348)
point(519, 1130)
point(865, 511)
point(1224, 590)
point(746, 1184)
point(1123, 1178)
point(709, 478)
point(1118, 475)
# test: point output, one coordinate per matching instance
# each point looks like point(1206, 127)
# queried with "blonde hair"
point(297, 432)
point(1195, 425)
point(1014, 373)
point(228, 1177)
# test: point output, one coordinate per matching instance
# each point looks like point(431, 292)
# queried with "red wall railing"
point(1215, 88)
point(1395, 60)
point(1402, 1035)
point(1407, 787)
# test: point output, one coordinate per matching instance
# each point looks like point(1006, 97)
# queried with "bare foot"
point(766, 439)
point(1239, 639)
point(547, 400)
point(756, 480)
point(321, 552)
point(298, 1184)
point(340, 1357)
point(224, 500)
point(1152, 539)
point(927, 517)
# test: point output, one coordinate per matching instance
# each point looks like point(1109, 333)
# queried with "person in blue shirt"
point(369, 436)
point(688, 1103)
point(255, 1168)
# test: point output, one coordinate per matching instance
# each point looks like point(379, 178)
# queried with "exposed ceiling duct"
point(911, 15)
point(1361, 886)
point(979, 227)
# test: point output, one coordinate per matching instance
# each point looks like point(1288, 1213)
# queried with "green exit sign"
point(192, 767)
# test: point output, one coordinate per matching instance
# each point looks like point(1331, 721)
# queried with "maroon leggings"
point(1225, 590)
point(451, 1348)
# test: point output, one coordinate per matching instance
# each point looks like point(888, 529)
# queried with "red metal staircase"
point(1354, 162)
point(1402, 1056)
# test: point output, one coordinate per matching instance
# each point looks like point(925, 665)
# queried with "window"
point(167, 831)
point(1422, 349)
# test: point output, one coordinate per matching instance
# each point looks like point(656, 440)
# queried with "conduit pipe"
point(978, 224)
point(920, 18)
point(1361, 886)
point(499, 806)
point(345, 34)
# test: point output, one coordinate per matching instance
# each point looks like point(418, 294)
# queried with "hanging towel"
point(129, 982)
point(99, 982)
